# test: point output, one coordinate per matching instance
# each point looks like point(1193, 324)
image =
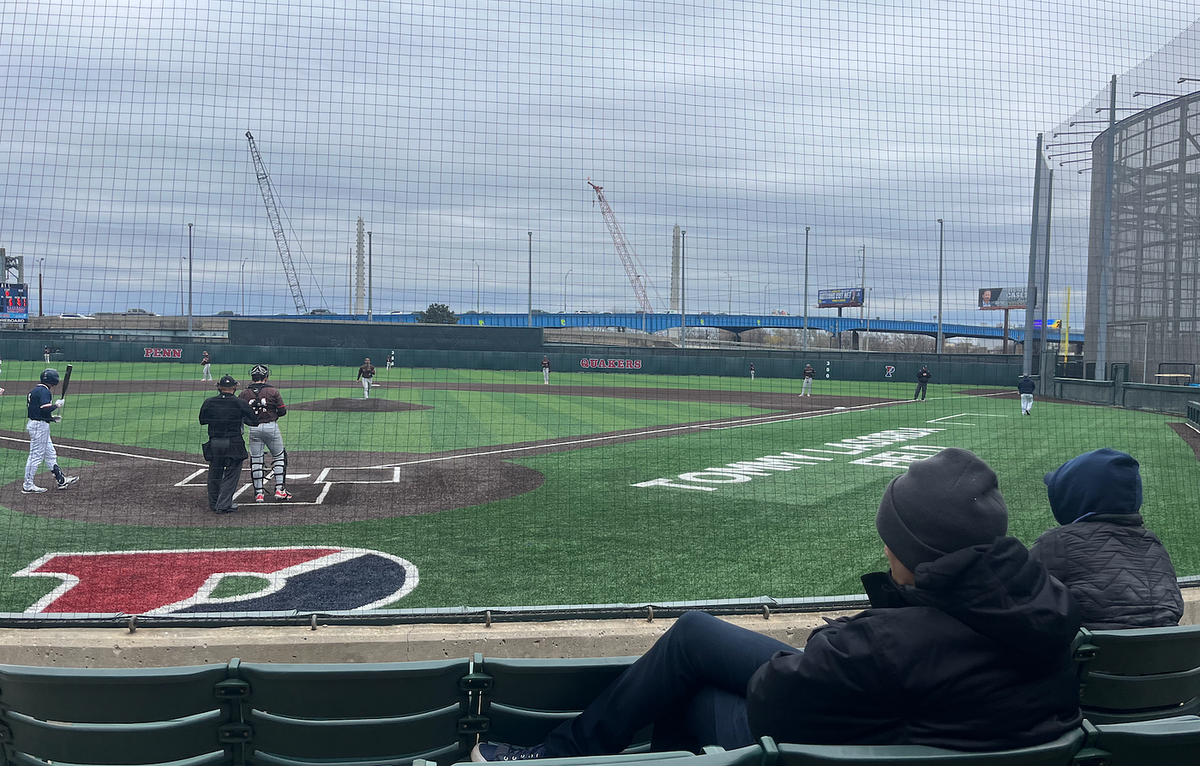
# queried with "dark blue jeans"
point(691, 685)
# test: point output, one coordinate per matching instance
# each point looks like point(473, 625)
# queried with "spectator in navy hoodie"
point(1116, 569)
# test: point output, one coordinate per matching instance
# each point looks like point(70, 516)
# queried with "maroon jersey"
point(265, 400)
point(366, 371)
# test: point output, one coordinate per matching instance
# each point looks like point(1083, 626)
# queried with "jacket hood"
point(1000, 592)
point(1103, 481)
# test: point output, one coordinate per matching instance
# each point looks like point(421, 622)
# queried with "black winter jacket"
point(1116, 569)
point(975, 656)
point(1026, 386)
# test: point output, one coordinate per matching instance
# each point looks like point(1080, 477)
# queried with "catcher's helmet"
point(50, 376)
point(260, 372)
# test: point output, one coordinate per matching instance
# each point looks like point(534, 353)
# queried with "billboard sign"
point(845, 298)
point(994, 298)
point(14, 303)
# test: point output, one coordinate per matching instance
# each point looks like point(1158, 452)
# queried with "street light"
point(529, 318)
point(190, 261)
point(729, 284)
point(941, 339)
point(565, 288)
point(242, 286)
point(682, 289)
point(807, 229)
point(41, 291)
point(476, 285)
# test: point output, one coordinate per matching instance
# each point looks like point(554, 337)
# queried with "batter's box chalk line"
point(326, 479)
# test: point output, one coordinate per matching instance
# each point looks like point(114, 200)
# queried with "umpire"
point(225, 451)
point(923, 377)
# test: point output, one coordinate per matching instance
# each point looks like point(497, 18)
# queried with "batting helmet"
point(260, 372)
point(50, 376)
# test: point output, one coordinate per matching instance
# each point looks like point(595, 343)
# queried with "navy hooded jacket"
point(1116, 569)
point(975, 656)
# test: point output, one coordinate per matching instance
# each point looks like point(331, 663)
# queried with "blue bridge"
point(737, 323)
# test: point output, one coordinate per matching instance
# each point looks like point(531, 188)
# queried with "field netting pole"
point(1046, 365)
point(1110, 162)
point(1031, 282)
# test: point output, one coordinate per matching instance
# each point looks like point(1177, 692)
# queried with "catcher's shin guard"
point(256, 472)
point(279, 467)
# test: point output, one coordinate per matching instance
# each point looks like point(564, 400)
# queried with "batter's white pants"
point(366, 388)
point(807, 389)
point(41, 449)
point(266, 437)
point(1026, 403)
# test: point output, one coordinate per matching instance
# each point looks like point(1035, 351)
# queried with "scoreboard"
point(14, 303)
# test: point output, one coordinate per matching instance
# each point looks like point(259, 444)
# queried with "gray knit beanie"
point(940, 505)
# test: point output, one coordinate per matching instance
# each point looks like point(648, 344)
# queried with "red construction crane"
point(624, 249)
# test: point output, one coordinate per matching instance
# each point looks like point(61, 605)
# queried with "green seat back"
point(529, 697)
point(1167, 742)
point(1056, 753)
point(385, 712)
point(106, 716)
point(1139, 675)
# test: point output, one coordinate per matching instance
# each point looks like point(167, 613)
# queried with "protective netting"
point(167, 165)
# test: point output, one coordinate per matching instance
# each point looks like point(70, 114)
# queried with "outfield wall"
point(1135, 396)
point(956, 369)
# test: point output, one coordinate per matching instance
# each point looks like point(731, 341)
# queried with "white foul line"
point(109, 452)
point(757, 420)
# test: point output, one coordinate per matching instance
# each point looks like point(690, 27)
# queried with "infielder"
point(268, 407)
point(546, 370)
point(1025, 387)
point(752, 371)
point(809, 374)
point(365, 373)
point(391, 360)
point(205, 367)
point(41, 409)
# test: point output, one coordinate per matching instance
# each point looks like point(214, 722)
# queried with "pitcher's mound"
point(357, 405)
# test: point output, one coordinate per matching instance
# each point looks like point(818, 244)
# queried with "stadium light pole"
point(190, 254)
point(370, 280)
point(182, 260)
point(242, 286)
point(807, 229)
point(476, 285)
point(41, 289)
point(862, 307)
point(529, 317)
point(729, 287)
point(565, 288)
point(682, 289)
point(941, 339)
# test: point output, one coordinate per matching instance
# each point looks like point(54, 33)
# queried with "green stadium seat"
point(526, 698)
point(103, 716)
point(1169, 742)
point(1060, 752)
point(383, 713)
point(1138, 675)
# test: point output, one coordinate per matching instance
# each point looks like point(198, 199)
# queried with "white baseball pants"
point(1026, 403)
point(366, 388)
point(266, 437)
point(41, 449)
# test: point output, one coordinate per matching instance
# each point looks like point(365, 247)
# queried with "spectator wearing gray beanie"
point(1116, 569)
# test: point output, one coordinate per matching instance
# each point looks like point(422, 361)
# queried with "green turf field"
point(588, 533)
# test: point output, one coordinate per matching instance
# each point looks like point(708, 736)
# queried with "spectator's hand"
point(60, 402)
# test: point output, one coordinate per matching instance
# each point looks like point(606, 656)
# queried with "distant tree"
point(437, 313)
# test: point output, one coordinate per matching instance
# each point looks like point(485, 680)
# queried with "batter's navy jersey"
point(40, 404)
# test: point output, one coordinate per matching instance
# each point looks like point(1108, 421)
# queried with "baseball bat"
point(66, 381)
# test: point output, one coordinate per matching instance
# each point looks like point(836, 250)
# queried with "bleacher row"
point(1139, 690)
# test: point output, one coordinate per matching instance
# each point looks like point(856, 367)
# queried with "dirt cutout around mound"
point(1189, 435)
point(358, 405)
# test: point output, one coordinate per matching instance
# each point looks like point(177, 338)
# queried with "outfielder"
point(1026, 387)
point(365, 373)
point(809, 374)
point(546, 370)
point(268, 407)
point(752, 371)
point(41, 409)
point(206, 367)
point(391, 360)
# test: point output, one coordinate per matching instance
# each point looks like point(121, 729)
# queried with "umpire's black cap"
point(227, 381)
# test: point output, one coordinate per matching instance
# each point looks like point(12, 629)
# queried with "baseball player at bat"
point(268, 406)
point(40, 407)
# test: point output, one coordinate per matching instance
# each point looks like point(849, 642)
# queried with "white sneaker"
point(32, 490)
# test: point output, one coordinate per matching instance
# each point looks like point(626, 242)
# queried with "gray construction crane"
point(624, 249)
point(285, 255)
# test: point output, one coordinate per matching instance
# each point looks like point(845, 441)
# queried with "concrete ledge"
point(166, 647)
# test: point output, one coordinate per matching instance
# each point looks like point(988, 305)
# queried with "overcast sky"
point(455, 129)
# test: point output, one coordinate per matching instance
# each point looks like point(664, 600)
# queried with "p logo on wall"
point(888, 370)
point(310, 579)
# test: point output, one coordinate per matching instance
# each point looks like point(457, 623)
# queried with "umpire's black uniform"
point(225, 450)
point(922, 381)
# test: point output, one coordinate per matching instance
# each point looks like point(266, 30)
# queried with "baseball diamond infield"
point(158, 488)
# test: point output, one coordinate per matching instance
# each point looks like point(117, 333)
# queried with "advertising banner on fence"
point(1004, 297)
point(844, 298)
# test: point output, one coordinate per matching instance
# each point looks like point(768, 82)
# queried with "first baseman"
point(365, 373)
point(41, 409)
point(268, 406)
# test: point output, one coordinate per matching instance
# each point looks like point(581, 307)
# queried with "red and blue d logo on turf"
point(309, 579)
